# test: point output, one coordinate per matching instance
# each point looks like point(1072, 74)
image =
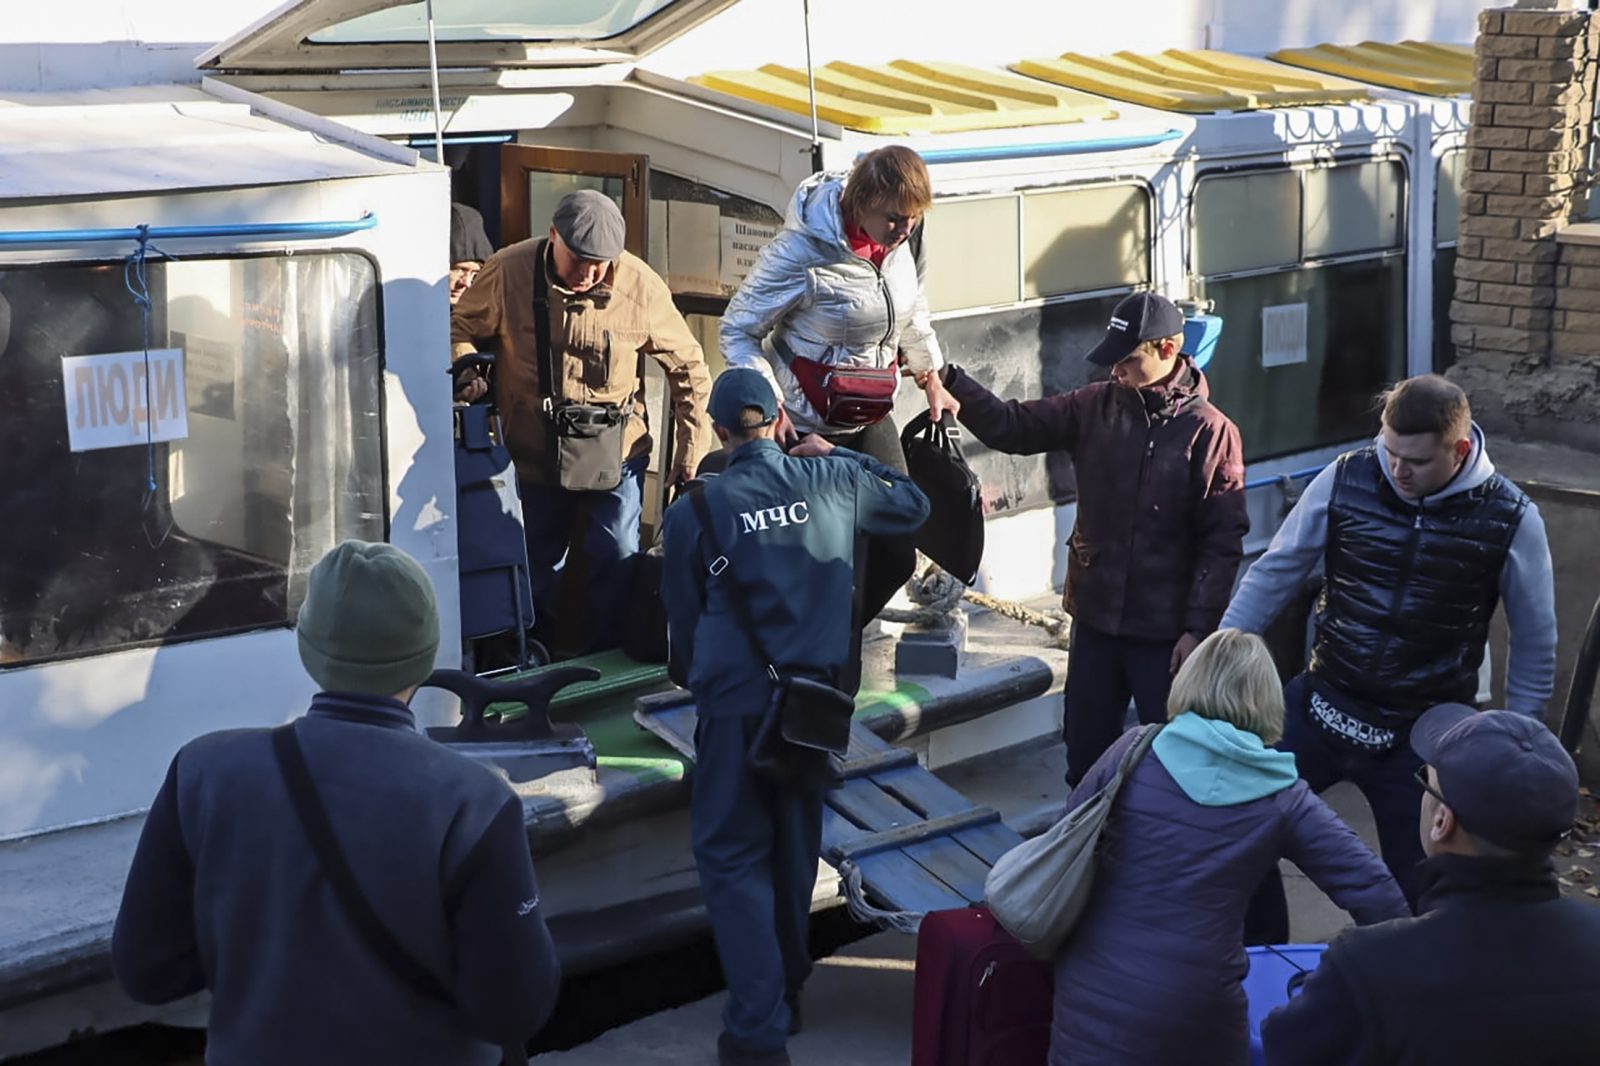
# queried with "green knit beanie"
point(369, 622)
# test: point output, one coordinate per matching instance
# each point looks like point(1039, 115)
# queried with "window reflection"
point(282, 458)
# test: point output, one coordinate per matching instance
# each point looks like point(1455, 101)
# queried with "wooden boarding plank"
point(953, 864)
point(894, 879)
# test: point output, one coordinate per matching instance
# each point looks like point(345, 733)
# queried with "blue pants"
point(756, 846)
point(1103, 673)
point(1387, 780)
point(603, 527)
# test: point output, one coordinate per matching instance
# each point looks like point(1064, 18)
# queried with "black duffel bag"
point(953, 534)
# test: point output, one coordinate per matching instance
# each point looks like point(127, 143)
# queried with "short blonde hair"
point(1230, 677)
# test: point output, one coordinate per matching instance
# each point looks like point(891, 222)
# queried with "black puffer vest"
point(1410, 588)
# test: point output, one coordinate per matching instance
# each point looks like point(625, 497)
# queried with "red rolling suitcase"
point(980, 998)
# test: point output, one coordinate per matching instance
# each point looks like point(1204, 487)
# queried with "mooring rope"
point(936, 594)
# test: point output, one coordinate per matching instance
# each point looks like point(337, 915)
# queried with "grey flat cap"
point(590, 224)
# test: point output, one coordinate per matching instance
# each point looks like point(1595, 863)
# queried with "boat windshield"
point(495, 20)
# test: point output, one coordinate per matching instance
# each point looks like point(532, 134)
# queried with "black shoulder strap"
point(719, 567)
point(541, 326)
point(314, 820)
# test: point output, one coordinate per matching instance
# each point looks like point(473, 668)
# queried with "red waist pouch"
point(846, 395)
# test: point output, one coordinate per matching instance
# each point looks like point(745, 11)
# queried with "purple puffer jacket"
point(1151, 975)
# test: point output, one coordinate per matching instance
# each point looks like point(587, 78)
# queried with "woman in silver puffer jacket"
point(831, 305)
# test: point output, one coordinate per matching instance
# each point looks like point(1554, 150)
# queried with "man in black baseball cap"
point(1497, 967)
point(1161, 514)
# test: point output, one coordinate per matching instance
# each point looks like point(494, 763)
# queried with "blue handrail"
point(1273, 479)
point(175, 233)
point(989, 153)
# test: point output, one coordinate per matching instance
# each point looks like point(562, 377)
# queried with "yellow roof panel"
point(1193, 81)
point(1414, 66)
point(910, 97)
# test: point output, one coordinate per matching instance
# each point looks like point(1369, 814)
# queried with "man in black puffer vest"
point(1420, 540)
point(1499, 968)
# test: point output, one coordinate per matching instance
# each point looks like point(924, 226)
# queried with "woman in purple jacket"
point(1151, 974)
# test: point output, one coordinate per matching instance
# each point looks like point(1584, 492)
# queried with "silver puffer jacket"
point(826, 303)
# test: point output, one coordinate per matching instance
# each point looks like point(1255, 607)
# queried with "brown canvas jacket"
point(600, 336)
point(1161, 503)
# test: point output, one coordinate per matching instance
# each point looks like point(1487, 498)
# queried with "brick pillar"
point(1533, 104)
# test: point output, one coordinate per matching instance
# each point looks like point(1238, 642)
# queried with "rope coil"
point(936, 594)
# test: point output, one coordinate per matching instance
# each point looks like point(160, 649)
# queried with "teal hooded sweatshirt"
point(1219, 765)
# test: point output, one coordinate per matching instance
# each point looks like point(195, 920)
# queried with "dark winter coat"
point(1151, 975)
point(1497, 969)
point(226, 893)
point(1161, 506)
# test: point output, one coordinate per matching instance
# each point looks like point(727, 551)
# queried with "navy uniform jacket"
point(788, 526)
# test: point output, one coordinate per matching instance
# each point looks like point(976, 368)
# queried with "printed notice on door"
point(742, 241)
point(124, 398)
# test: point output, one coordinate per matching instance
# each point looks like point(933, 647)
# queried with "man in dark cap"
point(778, 536)
point(469, 248)
point(1497, 967)
point(605, 311)
point(228, 892)
point(1161, 514)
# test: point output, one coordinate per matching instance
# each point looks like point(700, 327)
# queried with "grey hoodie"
point(826, 303)
point(1527, 586)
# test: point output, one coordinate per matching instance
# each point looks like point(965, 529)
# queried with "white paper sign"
point(741, 242)
point(112, 401)
point(1283, 335)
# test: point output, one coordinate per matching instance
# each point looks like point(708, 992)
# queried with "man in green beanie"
point(227, 892)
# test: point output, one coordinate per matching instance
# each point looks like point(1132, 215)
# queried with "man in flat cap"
point(570, 391)
point(1497, 967)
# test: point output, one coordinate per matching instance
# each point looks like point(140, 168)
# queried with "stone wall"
point(1526, 314)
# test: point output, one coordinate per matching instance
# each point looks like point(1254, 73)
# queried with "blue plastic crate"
point(1266, 985)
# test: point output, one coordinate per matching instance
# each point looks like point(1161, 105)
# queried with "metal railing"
point(177, 233)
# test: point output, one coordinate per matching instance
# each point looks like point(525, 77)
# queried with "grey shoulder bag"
point(1039, 889)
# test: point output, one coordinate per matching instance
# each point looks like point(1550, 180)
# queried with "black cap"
point(1144, 316)
point(468, 242)
point(1505, 775)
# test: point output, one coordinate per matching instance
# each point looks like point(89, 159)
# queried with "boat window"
point(995, 250)
point(1023, 353)
point(1080, 240)
point(1352, 209)
point(1446, 219)
point(494, 20)
point(255, 418)
point(972, 252)
point(1247, 221)
point(1447, 197)
point(1315, 313)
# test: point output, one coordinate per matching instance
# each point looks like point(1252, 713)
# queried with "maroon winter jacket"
point(1161, 507)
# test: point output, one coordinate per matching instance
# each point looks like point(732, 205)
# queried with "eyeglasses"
point(1422, 779)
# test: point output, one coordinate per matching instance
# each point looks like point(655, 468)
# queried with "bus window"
point(1308, 268)
point(274, 456)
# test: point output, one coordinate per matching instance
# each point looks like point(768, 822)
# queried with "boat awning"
point(1412, 66)
point(905, 96)
point(158, 139)
point(1194, 81)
